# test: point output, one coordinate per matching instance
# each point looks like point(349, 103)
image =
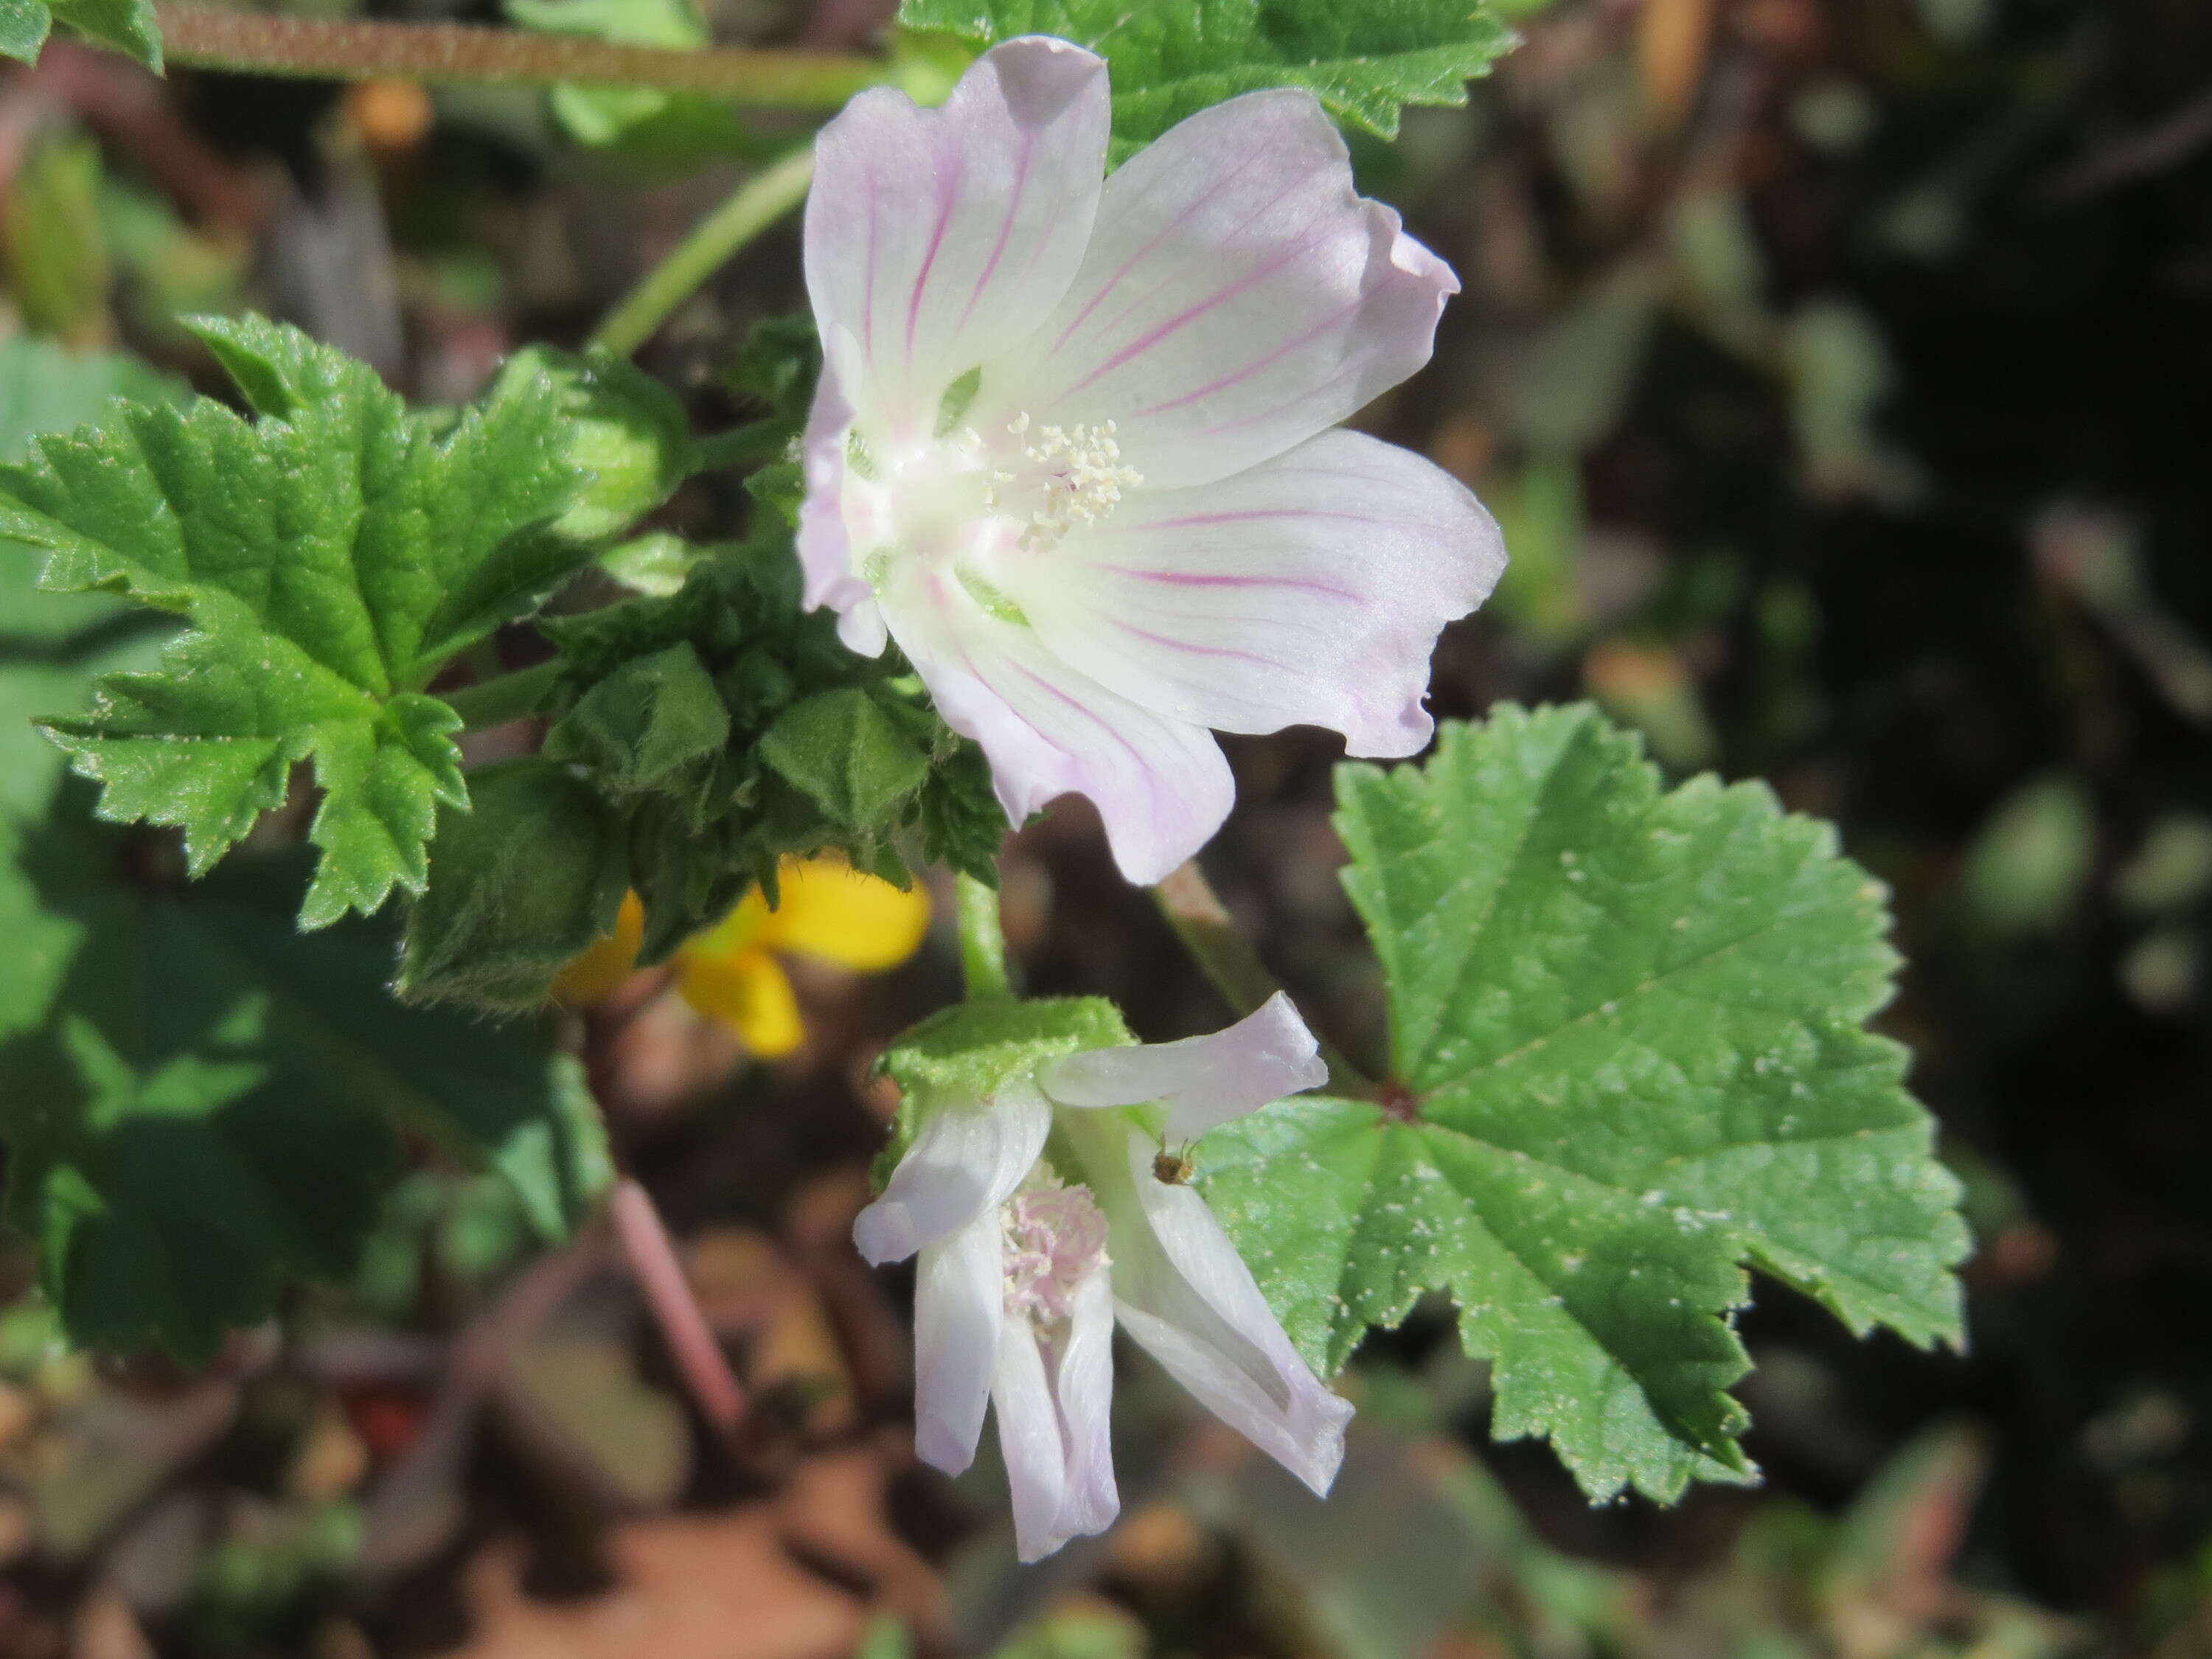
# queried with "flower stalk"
point(1201, 921)
point(352, 49)
point(750, 209)
point(659, 1273)
point(983, 941)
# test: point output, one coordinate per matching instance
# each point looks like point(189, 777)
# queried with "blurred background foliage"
point(1842, 372)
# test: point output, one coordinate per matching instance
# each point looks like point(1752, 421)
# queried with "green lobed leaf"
point(620, 426)
point(53, 644)
point(200, 1103)
point(1625, 1034)
point(1170, 58)
point(44, 387)
point(24, 25)
point(129, 26)
point(521, 883)
point(331, 556)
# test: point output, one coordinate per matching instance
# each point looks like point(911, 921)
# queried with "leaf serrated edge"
point(1420, 788)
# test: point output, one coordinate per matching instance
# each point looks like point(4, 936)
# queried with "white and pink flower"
point(1073, 449)
point(1031, 1255)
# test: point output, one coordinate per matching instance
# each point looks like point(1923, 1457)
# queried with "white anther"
point(1084, 480)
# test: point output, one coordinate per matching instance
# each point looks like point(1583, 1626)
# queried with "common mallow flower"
point(1072, 445)
point(1051, 1207)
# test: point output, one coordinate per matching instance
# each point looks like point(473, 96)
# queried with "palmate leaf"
point(1170, 58)
point(53, 644)
point(331, 556)
point(1625, 1031)
point(200, 1103)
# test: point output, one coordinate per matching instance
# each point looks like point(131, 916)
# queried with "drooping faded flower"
point(1043, 1214)
point(1073, 449)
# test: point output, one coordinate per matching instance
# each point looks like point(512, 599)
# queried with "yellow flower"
point(729, 973)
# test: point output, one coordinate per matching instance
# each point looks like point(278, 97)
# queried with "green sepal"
point(966, 1051)
point(643, 724)
point(622, 427)
point(856, 757)
point(824, 751)
point(520, 883)
point(962, 1055)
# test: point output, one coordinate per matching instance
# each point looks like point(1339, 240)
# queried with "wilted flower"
point(1031, 1254)
point(1072, 448)
point(731, 973)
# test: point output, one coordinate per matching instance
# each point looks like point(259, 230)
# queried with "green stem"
point(1204, 925)
point(353, 49)
point(982, 941)
point(509, 697)
point(751, 209)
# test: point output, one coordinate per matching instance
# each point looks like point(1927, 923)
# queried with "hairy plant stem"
point(983, 941)
point(750, 209)
point(658, 1271)
point(353, 49)
point(508, 697)
point(1207, 931)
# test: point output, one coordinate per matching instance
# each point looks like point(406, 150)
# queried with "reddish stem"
point(356, 48)
point(651, 1257)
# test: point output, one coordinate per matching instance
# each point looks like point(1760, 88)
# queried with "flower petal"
point(964, 1163)
point(1083, 1381)
point(939, 238)
point(1308, 590)
point(1030, 1441)
point(959, 1305)
point(602, 967)
point(830, 910)
point(1238, 296)
point(825, 546)
point(1183, 1291)
point(747, 990)
point(1203, 1081)
point(1160, 785)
